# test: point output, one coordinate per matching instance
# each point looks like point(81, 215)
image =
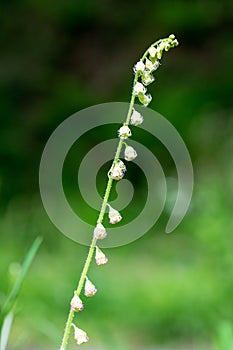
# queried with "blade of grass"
point(10, 301)
point(6, 328)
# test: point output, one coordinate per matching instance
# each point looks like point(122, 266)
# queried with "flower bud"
point(100, 257)
point(130, 153)
point(136, 118)
point(139, 67)
point(124, 132)
point(118, 171)
point(147, 78)
point(149, 65)
point(76, 303)
point(89, 289)
point(139, 89)
point(152, 51)
point(145, 99)
point(79, 335)
point(172, 36)
point(100, 232)
point(114, 215)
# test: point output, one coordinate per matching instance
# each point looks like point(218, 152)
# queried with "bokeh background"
point(162, 291)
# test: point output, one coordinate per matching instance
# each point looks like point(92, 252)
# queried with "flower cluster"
point(147, 65)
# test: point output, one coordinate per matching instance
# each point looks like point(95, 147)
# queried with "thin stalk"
point(100, 219)
point(102, 210)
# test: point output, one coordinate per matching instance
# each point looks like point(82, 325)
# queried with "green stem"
point(102, 211)
point(100, 219)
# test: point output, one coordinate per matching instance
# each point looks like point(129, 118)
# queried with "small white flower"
point(136, 118)
point(152, 51)
point(149, 65)
point(130, 153)
point(79, 335)
point(139, 67)
point(145, 99)
point(114, 215)
point(124, 132)
point(76, 303)
point(100, 257)
point(118, 171)
point(162, 46)
point(147, 78)
point(100, 232)
point(156, 65)
point(89, 290)
point(139, 89)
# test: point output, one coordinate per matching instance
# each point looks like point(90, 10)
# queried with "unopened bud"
point(89, 289)
point(100, 232)
point(114, 215)
point(79, 335)
point(100, 257)
point(76, 303)
point(130, 153)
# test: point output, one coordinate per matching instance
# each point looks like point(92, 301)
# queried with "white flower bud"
point(100, 257)
point(100, 232)
point(136, 118)
point(76, 303)
point(130, 153)
point(145, 99)
point(147, 78)
point(89, 290)
point(114, 215)
point(118, 171)
point(139, 89)
point(139, 67)
point(152, 51)
point(149, 65)
point(124, 132)
point(79, 335)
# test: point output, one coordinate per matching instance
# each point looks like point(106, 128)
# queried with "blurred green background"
point(173, 291)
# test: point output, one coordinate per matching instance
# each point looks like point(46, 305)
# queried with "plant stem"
point(100, 219)
point(102, 212)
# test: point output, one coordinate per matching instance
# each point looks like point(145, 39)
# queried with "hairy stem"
point(102, 210)
point(100, 219)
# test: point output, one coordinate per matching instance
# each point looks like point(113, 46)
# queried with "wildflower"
point(124, 132)
point(89, 290)
point(149, 65)
point(136, 118)
point(100, 232)
point(100, 257)
point(79, 335)
point(114, 215)
point(139, 67)
point(118, 171)
point(130, 153)
point(147, 78)
point(172, 36)
point(152, 51)
point(76, 303)
point(139, 89)
point(145, 99)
